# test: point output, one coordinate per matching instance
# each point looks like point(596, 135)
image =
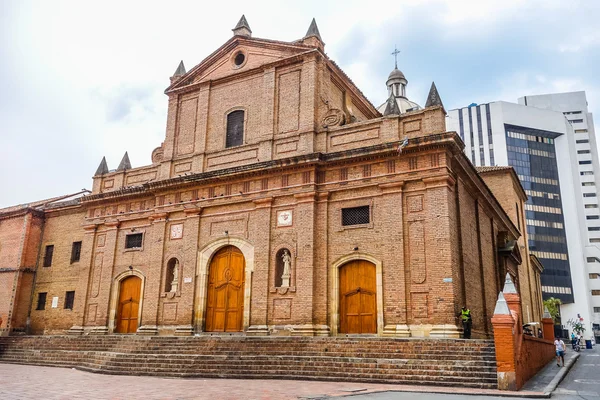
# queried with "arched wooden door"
point(225, 302)
point(358, 289)
point(129, 305)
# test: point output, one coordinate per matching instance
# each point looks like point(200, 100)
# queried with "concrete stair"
point(448, 362)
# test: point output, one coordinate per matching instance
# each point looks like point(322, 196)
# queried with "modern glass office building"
point(527, 139)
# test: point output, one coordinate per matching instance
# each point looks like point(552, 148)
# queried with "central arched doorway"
point(358, 297)
point(225, 297)
point(129, 305)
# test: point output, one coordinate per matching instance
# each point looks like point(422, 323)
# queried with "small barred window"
point(134, 241)
point(356, 216)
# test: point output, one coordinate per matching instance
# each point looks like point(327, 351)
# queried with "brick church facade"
point(281, 202)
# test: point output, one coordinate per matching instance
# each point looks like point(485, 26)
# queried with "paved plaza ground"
point(32, 382)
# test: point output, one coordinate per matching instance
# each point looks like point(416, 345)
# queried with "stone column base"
point(445, 331)
point(98, 330)
point(76, 330)
point(396, 331)
point(147, 330)
point(258, 330)
point(184, 330)
point(310, 330)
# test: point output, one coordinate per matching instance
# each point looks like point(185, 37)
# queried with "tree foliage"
point(553, 306)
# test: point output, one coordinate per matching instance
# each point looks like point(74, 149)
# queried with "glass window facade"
point(532, 154)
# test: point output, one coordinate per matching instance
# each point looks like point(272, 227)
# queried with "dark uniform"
point(465, 315)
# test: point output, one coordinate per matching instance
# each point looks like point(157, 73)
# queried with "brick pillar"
point(151, 290)
point(503, 324)
point(547, 325)
point(260, 276)
point(99, 314)
point(302, 308)
point(83, 280)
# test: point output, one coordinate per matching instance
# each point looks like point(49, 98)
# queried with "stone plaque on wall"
point(176, 231)
point(285, 218)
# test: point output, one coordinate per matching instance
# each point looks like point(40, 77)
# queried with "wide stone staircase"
point(448, 362)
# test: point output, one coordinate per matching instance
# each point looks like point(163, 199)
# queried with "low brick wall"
point(534, 355)
point(518, 357)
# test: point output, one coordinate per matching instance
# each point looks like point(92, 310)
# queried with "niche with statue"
point(284, 272)
point(171, 282)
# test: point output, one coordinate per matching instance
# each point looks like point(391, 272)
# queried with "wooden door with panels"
point(225, 298)
point(129, 305)
point(358, 297)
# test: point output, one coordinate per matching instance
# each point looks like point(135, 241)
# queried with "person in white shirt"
point(560, 351)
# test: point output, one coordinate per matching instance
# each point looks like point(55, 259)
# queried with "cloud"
point(81, 81)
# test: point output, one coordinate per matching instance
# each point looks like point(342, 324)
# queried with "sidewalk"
point(550, 376)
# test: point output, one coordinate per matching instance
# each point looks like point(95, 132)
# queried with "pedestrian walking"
point(560, 351)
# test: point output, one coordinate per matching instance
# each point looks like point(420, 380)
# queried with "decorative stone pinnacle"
point(124, 164)
point(102, 168)
point(313, 30)
point(546, 313)
point(392, 106)
point(180, 71)
point(433, 99)
point(501, 306)
point(509, 286)
point(242, 28)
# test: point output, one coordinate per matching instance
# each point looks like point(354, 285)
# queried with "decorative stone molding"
point(396, 331)
point(334, 117)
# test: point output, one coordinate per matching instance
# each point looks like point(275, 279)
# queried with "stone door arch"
point(334, 299)
point(205, 256)
point(225, 294)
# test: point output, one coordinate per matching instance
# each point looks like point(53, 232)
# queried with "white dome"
point(404, 105)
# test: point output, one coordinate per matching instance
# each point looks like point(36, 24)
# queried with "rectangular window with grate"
point(594, 276)
point(356, 216)
point(595, 292)
point(41, 304)
point(48, 255)
point(235, 129)
point(75, 252)
point(69, 300)
point(134, 241)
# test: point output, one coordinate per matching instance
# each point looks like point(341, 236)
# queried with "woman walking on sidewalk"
point(560, 351)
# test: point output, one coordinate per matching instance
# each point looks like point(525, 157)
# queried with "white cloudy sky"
point(80, 79)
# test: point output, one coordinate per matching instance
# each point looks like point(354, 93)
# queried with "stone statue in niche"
point(175, 280)
point(285, 276)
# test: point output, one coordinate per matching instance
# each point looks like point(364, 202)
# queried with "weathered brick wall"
point(19, 245)
point(61, 230)
point(511, 197)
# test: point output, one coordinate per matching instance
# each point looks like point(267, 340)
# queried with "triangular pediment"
point(222, 63)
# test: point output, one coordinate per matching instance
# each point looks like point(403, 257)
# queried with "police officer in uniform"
point(465, 315)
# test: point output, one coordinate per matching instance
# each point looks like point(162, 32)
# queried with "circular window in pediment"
point(239, 59)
